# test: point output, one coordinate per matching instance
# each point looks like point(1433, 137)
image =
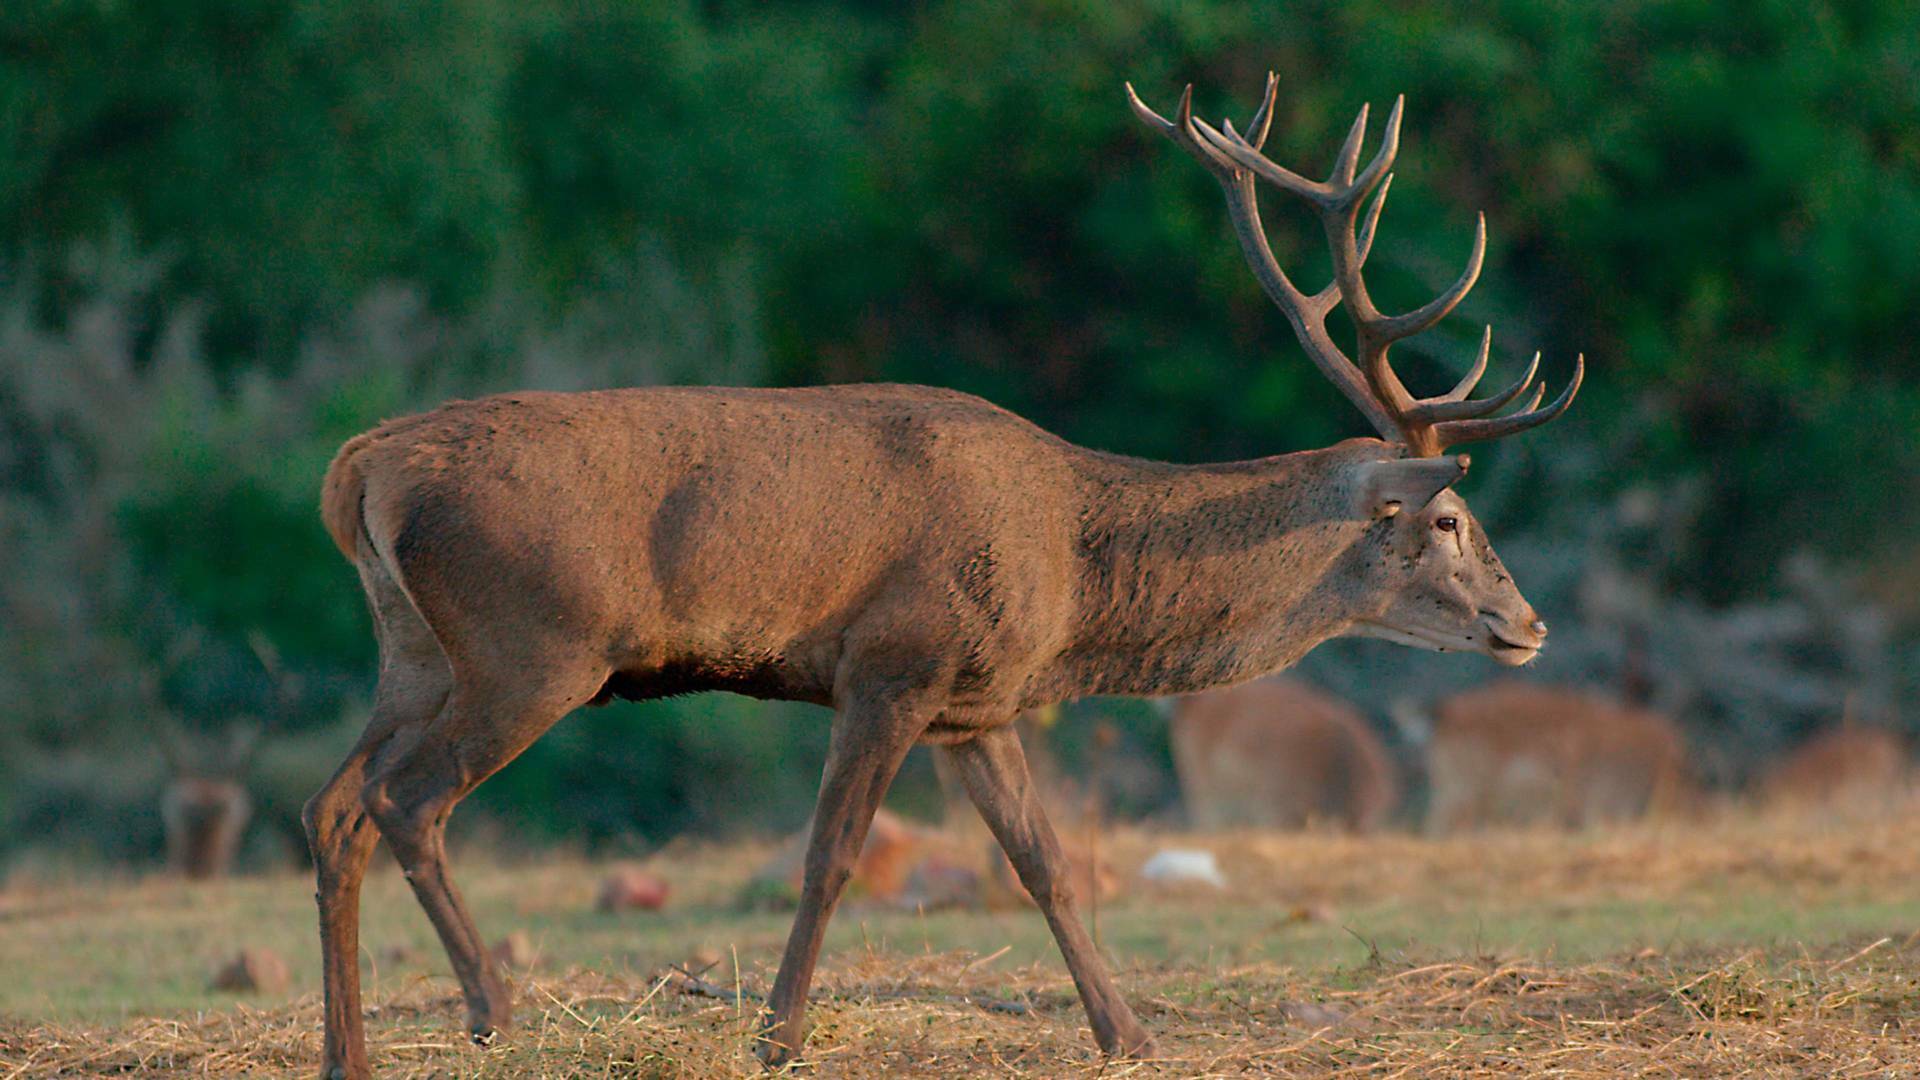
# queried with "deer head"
point(1436, 582)
point(1434, 579)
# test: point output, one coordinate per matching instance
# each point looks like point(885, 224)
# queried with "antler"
point(1426, 425)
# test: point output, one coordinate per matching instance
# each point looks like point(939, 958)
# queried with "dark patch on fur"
point(769, 679)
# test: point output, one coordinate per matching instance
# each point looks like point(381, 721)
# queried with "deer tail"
point(342, 493)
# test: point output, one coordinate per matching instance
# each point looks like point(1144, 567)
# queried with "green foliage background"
point(1720, 208)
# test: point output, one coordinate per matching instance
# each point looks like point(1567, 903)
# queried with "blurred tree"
point(291, 154)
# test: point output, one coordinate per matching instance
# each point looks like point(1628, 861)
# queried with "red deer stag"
point(1519, 753)
point(925, 563)
point(1276, 753)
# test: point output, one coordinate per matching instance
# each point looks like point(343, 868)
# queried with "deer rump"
point(1276, 753)
point(712, 538)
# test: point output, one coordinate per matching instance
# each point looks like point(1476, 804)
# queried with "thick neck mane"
point(1202, 575)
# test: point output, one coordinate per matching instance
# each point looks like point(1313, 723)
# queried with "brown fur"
point(1519, 753)
point(1842, 768)
point(1279, 754)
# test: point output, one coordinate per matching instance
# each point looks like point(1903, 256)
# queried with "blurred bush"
point(231, 235)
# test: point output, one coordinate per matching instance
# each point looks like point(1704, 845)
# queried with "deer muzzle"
point(1514, 641)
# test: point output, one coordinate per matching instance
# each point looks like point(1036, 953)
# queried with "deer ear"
point(1387, 487)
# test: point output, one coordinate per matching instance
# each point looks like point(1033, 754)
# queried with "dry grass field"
point(1734, 947)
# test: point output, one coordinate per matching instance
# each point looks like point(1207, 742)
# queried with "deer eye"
point(1446, 524)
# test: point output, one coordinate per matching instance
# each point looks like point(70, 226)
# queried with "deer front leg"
point(994, 769)
point(870, 739)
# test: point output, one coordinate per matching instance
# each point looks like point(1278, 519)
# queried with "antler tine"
point(1145, 112)
point(1472, 378)
point(1383, 158)
point(1499, 400)
point(1454, 405)
point(1262, 121)
point(1349, 159)
point(1181, 131)
point(1246, 156)
point(1455, 432)
point(1372, 219)
point(1393, 328)
point(1183, 119)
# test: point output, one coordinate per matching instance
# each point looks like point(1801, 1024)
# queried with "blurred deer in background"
point(1278, 754)
point(1518, 753)
point(205, 806)
point(1847, 768)
point(1751, 672)
point(924, 562)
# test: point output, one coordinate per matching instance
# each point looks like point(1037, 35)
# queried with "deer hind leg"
point(870, 739)
point(414, 682)
point(994, 769)
point(415, 787)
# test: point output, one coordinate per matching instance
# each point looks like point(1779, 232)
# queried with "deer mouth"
point(1508, 651)
point(1501, 645)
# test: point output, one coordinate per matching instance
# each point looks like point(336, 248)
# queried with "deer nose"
point(1538, 626)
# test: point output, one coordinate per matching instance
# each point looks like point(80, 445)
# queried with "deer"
point(205, 806)
point(926, 564)
point(1278, 753)
point(1522, 753)
point(1846, 768)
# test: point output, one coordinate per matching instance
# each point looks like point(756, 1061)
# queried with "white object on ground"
point(1181, 865)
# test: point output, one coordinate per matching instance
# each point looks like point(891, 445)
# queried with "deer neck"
point(1199, 576)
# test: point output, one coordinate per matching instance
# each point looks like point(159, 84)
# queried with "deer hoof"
point(485, 1024)
point(1131, 1044)
point(772, 1054)
point(774, 1049)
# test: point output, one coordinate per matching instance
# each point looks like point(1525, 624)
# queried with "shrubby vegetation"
point(232, 235)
